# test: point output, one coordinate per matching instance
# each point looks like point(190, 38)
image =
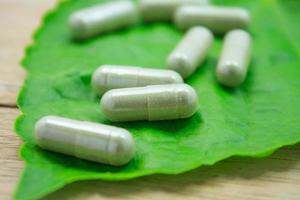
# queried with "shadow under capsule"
point(240, 171)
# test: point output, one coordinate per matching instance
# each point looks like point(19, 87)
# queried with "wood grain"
point(10, 163)
point(274, 177)
point(18, 19)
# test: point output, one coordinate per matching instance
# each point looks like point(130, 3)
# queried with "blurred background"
point(274, 177)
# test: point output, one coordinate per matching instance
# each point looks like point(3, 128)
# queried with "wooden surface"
point(275, 177)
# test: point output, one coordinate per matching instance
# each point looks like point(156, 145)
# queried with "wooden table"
point(275, 177)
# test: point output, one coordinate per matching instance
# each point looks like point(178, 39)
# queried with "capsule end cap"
point(125, 149)
point(180, 64)
point(230, 75)
point(191, 102)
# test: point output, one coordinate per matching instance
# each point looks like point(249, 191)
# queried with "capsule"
point(235, 58)
point(163, 10)
point(155, 102)
point(109, 77)
point(191, 51)
point(217, 19)
point(103, 18)
point(85, 140)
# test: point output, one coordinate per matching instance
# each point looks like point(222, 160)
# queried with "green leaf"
point(254, 120)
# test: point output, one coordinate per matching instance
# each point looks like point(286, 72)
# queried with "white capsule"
point(109, 77)
point(218, 19)
point(86, 140)
point(191, 51)
point(235, 57)
point(157, 102)
point(103, 18)
point(163, 10)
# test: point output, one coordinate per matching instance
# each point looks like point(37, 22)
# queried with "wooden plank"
point(8, 93)
point(274, 177)
point(18, 20)
point(10, 163)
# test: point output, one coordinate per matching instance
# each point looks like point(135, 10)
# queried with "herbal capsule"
point(102, 18)
point(235, 57)
point(163, 10)
point(218, 19)
point(191, 51)
point(109, 77)
point(157, 102)
point(86, 140)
